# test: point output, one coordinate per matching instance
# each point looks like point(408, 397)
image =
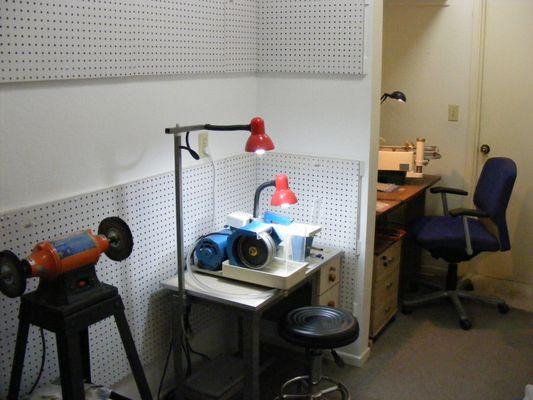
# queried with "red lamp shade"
point(283, 196)
point(259, 141)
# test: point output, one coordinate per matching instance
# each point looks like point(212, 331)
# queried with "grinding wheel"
point(255, 252)
point(120, 238)
point(12, 275)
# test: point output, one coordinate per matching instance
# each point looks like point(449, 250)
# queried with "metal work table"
point(249, 309)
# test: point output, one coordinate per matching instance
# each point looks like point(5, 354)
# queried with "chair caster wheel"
point(465, 324)
point(407, 310)
point(503, 308)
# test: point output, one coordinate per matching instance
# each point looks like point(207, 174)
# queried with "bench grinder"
point(65, 265)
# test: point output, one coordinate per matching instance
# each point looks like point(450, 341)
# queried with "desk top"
point(240, 294)
point(412, 188)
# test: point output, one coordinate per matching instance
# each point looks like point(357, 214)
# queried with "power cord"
point(43, 360)
point(187, 350)
point(188, 147)
point(214, 192)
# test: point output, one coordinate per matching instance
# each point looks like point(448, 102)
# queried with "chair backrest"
point(493, 192)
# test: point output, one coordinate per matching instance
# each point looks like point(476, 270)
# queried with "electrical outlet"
point(453, 112)
point(203, 144)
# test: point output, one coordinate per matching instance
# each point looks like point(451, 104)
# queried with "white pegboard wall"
point(79, 39)
point(148, 207)
point(311, 36)
point(328, 195)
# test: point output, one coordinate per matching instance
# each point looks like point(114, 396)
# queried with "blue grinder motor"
point(211, 250)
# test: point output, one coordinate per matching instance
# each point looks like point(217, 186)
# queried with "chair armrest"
point(467, 212)
point(443, 189)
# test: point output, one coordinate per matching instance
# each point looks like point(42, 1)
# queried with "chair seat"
point(444, 237)
point(319, 327)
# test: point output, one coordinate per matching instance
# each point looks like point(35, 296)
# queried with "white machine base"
point(279, 274)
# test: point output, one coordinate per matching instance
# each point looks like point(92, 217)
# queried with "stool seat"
point(319, 327)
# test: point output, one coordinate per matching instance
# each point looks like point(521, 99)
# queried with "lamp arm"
point(228, 128)
point(258, 191)
point(208, 127)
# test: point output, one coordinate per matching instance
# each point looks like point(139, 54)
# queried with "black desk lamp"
point(397, 95)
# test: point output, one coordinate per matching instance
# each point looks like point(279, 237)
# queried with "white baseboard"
point(352, 359)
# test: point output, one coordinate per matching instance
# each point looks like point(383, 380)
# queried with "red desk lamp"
point(282, 197)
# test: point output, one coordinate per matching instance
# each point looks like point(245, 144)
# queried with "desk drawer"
point(384, 304)
point(387, 262)
point(330, 298)
point(329, 275)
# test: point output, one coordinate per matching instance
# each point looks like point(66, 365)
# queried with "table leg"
point(251, 356)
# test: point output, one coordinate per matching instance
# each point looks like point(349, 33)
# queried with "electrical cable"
point(43, 360)
point(188, 147)
point(164, 371)
point(214, 186)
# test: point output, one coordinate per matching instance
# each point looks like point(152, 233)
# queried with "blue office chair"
point(462, 234)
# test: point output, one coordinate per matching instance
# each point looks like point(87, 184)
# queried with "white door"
point(507, 128)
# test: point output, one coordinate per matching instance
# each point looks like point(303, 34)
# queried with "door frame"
point(476, 90)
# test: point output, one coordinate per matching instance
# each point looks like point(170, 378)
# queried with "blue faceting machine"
point(254, 243)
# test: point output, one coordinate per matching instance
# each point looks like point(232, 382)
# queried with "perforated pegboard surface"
point(148, 207)
point(242, 36)
point(311, 36)
point(328, 195)
point(78, 39)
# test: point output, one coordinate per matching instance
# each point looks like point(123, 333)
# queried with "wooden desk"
point(414, 187)
point(404, 206)
point(248, 302)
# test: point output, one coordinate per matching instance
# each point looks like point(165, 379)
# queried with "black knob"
point(485, 149)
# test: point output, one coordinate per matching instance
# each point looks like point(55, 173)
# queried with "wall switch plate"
point(203, 144)
point(453, 112)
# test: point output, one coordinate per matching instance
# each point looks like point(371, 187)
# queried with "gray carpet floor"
point(426, 356)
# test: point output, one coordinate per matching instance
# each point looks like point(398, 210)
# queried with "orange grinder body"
point(49, 260)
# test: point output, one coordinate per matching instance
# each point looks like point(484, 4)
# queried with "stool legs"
point(313, 383)
point(70, 365)
point(18, 360)
point(133, 357)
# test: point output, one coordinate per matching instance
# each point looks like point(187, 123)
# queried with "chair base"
point(313, 390)
point(455, 297)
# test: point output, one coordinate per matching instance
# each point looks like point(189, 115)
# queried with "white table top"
point(241, 294)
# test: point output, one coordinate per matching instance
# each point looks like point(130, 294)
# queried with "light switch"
point(453, 112)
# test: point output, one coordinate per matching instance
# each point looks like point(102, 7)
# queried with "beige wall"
point(426, 54)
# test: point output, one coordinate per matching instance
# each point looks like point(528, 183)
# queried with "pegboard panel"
point(241, 35)
point(79, 39)
point(179, 37)
point(311, 36)
point(148, 207)
point(328, 195)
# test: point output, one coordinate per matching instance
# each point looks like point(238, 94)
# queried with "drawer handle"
point(386, 311)
point(332, 277)
point(389, 285)
point(331, 303)
point(387, 260)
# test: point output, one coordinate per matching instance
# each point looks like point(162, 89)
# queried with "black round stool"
point(317, 329)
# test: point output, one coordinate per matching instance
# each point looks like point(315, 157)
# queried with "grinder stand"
point(70, 322)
